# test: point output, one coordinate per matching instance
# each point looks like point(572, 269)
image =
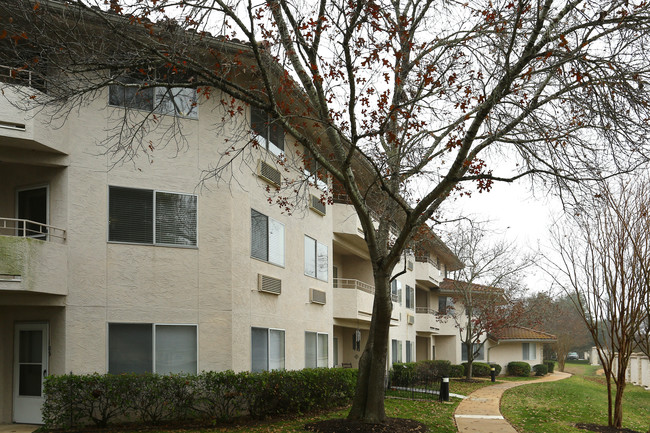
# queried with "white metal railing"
point(30, 229)
point(425, 310)
point(15, 75)
point(347, 283)
point(426, 259)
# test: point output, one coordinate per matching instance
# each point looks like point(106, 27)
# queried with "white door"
point(30, 367)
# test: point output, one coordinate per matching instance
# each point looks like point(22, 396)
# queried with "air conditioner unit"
point(409, 265)
point(316, 205)
point(267, 172)
point(317, 296)
point(268, 284)
point(410, 319)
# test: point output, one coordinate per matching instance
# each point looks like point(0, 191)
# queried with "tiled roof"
point(454, 285)
point(521, 333)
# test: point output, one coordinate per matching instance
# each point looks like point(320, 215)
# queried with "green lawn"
point(554, 407)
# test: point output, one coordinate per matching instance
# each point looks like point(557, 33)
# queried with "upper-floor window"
point(144, 216)
point(410, 297)
point(444, 304)
point(315, 259)
point(314, 172)
point(177, 101)
point(271, 133)
point(267, 238)
point(396, 291)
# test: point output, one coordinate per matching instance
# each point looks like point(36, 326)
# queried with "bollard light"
point(444, 389)
point(493, 374)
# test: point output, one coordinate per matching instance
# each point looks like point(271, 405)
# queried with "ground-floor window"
point(267, 349)
point(478, 349)
point(396, 351)
point(529, 351)
point(410, 350)
point(147, 347)
point(315, 349)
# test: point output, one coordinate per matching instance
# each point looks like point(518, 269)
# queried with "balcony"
point(353, 300)
point(427, 272)
point(34, 257)
point(426, 320)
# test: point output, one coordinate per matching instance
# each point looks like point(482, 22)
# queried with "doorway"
point(30, 367)
point(32, 205)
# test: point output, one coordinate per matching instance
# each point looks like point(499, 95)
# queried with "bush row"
point(519, 368)
point(424, 371)
point(77, 400)
point(482, 369)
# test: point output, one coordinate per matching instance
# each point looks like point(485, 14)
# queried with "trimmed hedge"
point(457, 370)
point(540, 369)
point(518, 368)
point(550, 365)
point(78, 400)
point(434, 368)
point(482, 369)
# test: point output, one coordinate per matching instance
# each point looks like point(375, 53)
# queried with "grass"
point(553, 407)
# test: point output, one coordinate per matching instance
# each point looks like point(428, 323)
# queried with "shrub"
point(518, 368)
point(550, 365)
point(479, 369)
point(403, 374)
point(433, 369)
point(456, 370)
point(77, 400)
point(540, 369)
point(497, 368)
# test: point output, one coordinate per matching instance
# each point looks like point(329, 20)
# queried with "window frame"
point(266, 136)
point(268, 348)
point(317, 351)
point(152, 326)
point(410, 296)
point(410, 351)
point(154, 193)
point(268, 240)
point(316, 245)
point(396, 351)
point(396, 291)
point(481, 351)
point(526, 351)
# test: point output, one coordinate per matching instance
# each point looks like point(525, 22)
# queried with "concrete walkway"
point(18, 428)
point(480, 412)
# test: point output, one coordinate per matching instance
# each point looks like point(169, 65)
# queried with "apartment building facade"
point(136, 266)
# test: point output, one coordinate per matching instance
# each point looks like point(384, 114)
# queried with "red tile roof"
point(520, 333)
point(454, 285)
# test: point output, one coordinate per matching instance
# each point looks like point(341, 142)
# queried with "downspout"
point(490, 348)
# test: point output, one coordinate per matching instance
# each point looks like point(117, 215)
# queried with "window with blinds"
point(316, 259)
point(315, 350)
point(144, 216)
point(267, 349)
point(267, 238)
point(264, 127)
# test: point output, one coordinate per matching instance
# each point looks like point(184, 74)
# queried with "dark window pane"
point(176, 349)
point(258, 122)
point(259, 236)
point(30, 380)
point(130, 348)
point(130, 215)
point(175, 219)
point(32, 205)
point(31, 346)
point(260, 349)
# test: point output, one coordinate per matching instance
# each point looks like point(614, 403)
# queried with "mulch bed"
point(603, 428)
point(392, 425)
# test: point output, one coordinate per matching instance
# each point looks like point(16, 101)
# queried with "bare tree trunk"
point(560, 363)
point(609, 399)
point(368, 404)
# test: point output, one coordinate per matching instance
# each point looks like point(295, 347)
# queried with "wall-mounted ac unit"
point(411, 319)
point(316, 205)
point(267, 172)
point(268, 284)
point(317, 296)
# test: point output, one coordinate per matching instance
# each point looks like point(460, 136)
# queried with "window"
point(396, 351)
point(315, 259)
point(264, 126)
point(529, 351)
point(267, 349)
point(442, 304)
point(314, 172)
point(396, 291)
point(267, 238)
point(410, 350)
point(477, 348)
point(410, 297)
point(315, 350)
point(143, 216)
point(177, 101)
point(146, 347)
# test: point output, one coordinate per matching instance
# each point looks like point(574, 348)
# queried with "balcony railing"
point(30, 229)
point(21, 76)
point(425, 310)
point(426, 259)
point(346, 283)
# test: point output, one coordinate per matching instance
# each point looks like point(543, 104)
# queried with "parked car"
point(572, 356)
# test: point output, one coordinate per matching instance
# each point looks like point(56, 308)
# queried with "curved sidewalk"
point(480, 411)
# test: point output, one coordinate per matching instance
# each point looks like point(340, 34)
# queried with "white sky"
point(514, 213)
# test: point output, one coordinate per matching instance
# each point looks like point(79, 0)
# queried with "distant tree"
point(401, 104)
point(603, 267)
point(487, 292)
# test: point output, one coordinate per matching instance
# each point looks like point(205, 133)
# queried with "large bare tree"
point(603, 266)
point(402, 103)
